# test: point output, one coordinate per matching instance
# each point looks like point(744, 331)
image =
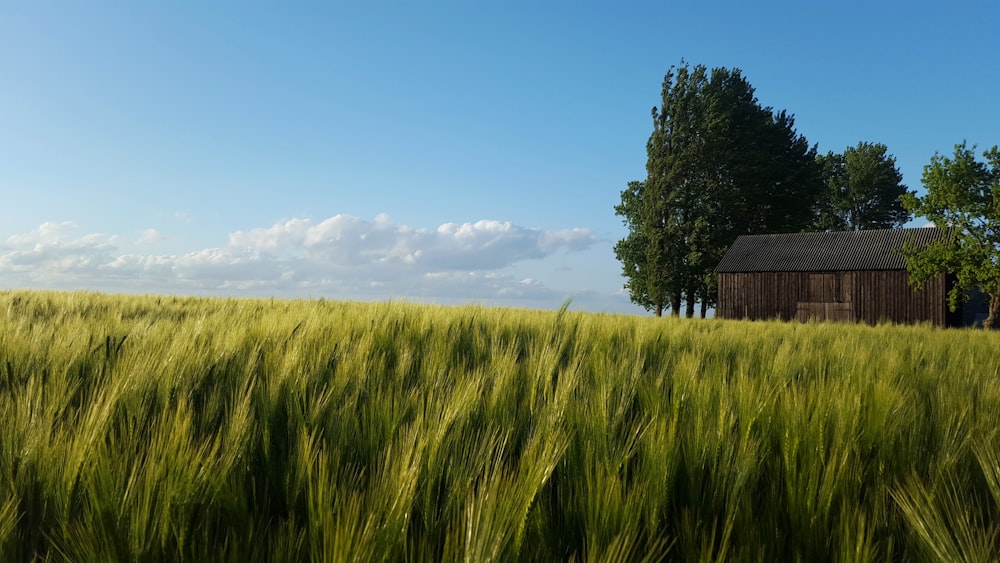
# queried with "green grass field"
point(181, 429)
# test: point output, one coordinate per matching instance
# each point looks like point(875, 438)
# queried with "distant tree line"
point(719, 165)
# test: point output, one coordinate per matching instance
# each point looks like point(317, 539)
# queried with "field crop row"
point(183, 429)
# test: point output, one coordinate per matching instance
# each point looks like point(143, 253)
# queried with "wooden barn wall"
point(867, 296)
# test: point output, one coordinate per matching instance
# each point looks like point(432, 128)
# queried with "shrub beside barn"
point(854, 276)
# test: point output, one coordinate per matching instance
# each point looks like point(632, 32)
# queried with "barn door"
point(829, 298)
point(830, 287)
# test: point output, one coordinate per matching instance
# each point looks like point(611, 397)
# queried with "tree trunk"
point(659, 309)
point(675, 305)
point(689, 311)
point(704, 308)
point(994, 311)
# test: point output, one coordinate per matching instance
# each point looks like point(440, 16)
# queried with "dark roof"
point(823, 252)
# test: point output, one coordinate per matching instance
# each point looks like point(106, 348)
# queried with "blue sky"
point(432, 151)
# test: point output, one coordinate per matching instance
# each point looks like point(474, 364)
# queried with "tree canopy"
point(864, 187)
point(719, 164)
point(963, 197)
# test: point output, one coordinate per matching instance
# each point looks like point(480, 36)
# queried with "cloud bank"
point(342, 257)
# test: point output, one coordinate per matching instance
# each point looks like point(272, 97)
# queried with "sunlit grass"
point(182, 429)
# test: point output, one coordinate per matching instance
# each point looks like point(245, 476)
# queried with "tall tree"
point(864, 187)
point(658, 211)
point(642, 253)
point(963, 196)
point(718, 165)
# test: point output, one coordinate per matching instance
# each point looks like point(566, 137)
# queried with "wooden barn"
point(842, 276)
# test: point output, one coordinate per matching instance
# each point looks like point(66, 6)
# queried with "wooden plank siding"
point(865, 296)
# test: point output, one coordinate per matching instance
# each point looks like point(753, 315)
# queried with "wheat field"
point(144, 428)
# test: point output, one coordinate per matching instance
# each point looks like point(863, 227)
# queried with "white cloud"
point(342, 256)
point(149, 237)
point(45, 233)
point(50, 252)
point(348, 241)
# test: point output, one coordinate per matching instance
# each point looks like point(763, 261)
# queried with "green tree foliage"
point(649, 286)
point(963, 196)
point(718, 165)
point(864, 187)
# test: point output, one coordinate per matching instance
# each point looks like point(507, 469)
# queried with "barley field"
point(143, 428)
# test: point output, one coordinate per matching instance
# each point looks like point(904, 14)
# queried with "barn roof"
point(823, 252)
